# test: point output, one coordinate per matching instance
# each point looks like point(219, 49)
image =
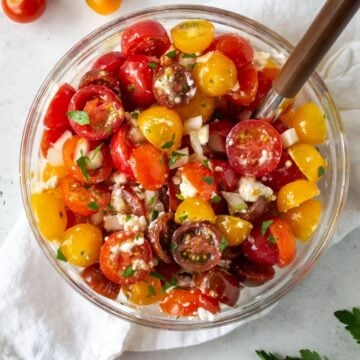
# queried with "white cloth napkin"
point(41, 317)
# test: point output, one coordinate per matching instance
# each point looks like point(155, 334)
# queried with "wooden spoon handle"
point(323, 32)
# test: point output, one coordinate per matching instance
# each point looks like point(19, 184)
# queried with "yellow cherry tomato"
point(288, 117)
point(309, 123)
point(81, 244)
point(193, 36)
point(235, 230)
point(295, 193)
point(104, 7)
point(51, 171)
point(308, 160)
point(162, 127)
point(144, 292)
point(304, 219)
point(200, 104)
point(50, 215)
point(217, 76)
point(193, 210)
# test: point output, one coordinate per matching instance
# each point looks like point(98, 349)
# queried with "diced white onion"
point(59, 143)
point(289, 137)
point(95, 161)
point(205, 58)
point(55, 157)
point(193, 123)
point(235, 202)
point(181, 159)
point(196, 145)
point(236, 87)
point(82, 148)
point(260, 59)
point(203, 134)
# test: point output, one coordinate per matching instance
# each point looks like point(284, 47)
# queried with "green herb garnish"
point(151, 290)
point(128, 217)
point(169, 284)
point(60, 255)
point(271, 239)
point(80, 117)
point(173, 246)
point(265, 225)
point(305, 355)
point(351, 320)
point(157, 275)
point(169, 144)
point(179, 196)
point(151, 200)
point(135, 115)
point(152, 65)
point(321, 171)
point(208, 179)
point(174, 157)
point(215, 199)
point(128, 272)
point(189, 56)
point(93, 205)
point(171, 54)
point(223, 244)
point(206, 163)
point(183, 217)
point(154, 215)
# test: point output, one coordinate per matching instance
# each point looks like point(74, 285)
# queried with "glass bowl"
point(333, 186)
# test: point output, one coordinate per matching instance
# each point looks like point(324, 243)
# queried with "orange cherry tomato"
point(104, 7)
point(149, 166)
point(24, 11)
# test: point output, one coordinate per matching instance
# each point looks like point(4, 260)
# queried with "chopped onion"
point(196, 145)
point(203, 134)
point(235, 202)
point(59, 143)
point(55, 157)
point(205, 58)
point(96, 161)
point(289, 137)
point(82, 148)
point(180, 160)
point(193, 123)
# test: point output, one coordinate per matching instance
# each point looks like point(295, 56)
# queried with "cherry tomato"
point(187, 303)
point(104, 7)
point(193, 36)
point(162, 127)
point(285, 172)
point(195, 246)
point(227, 178)
point(84, 200)
point(50, 214)
point(147, 37)
point(235, 47)
point(149, 166)
point(55, 117)
point(48, 138)
point(217, 76)
point(264, 85)
point(79, 168)
point(104, 112)
point(219, 284)
point(24, 11)
point(100, 77)
point(218, 131)
point(201, 178)
point(248, 86)
point(51, 171)
point(110, 61)
point(259, 247)
point(94, 277)
point(234, 229)
point(253, 147)
point(81, 244)
point(126, 266)
point(136, 79)
point(193, 210)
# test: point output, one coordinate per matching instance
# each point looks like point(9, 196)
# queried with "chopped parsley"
point(189, 56)
point(206, 163)
point(223, 244)
point(80, 117)
point(169, 284)
point(128, 272)
point(208, 179)
point(265, 225)
point(272, 239)
point(179, 196)
point(152, 65)
point(157, 275)
point(60, 255)
point(151, 290)
point(169, 144)
point(183, 217)
point(93, 205)
point(191, 66)
point(135, 115)
point(82, 161)
point(321, 171)
point(154, 215)
point(173, 246)
point(151, 200)
point(171, 54)
point(174, 157)
point(96, 150)
point(215, 199)
point(128, 217)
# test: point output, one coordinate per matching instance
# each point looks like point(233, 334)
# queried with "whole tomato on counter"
point(24, 11)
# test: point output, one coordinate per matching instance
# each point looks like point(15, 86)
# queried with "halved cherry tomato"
point(253, 147)
point(187, 303)
point(51, 171)
point(285, 241)
point(136, 79)
point(201, 178)
point(100, 77)
point(110, 61)
point(218, 131)
point(48, 138)
point(248, 86)
point(228, 179)
point(56, 117)
point(235, 47)
point(234, 229)
point(84, 200)
point(24, 11)
point(104, 7)
point(94, 277)
point(149, 166)
point(124, 266)
point(147, 37)
point(120, 150)
point(219, 284)
point(104, 110)
point(84, 174)
point(193, 210)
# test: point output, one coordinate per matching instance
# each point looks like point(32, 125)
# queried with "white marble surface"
point(304, 318)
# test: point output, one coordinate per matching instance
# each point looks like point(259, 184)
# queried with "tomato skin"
point(146, 37)
point(100, 77)
point(110, 61)
point(55, 117)
point(187, 302)
point(24, 11)
point(104, 7)
point(246, 143)
point(149, 166)
point(235, 47)
point(48, 138)
point(114, 266)
point(228, 179)
point(136, 80)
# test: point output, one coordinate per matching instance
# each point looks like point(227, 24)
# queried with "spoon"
point(322, 33)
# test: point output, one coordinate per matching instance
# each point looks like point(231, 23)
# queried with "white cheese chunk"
point(193, 123)
point(139, 264)
point(186, 188)
point(125, 222)
point(260, 59)
point(205, 314)
point(289, 137)
point(118, 178)
point(203, 134)
point(250, 189)
point(117, 201)
point(236, 203)
point(128, 245)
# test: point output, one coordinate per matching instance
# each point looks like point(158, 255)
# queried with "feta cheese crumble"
point(125, 222)
point(250, 189)
point(205, 314)
point(186, 188)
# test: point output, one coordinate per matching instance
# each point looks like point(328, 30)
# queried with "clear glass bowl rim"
point(251, 310)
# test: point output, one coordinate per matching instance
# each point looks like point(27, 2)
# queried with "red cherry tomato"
point(104, 109)
point(264, 85)
point(248, 86)
point(110, 61)
point(218, 131)
point(201, 178)
point(93, 176)
point(253, 147)
point(228, 179)
point(234, 47)
point(75, 219)
point(146, 37)
point(100, 77)
point(94, 277)
point(149, 166)
point(48, 138)
point(260, 248)
point(287, 171)
point(136, 79)
point(187, 303)
point(55, 117)
point(120, 149)
point(219, 284)
point(84, 200)
point(24, 11)
point(125, 267)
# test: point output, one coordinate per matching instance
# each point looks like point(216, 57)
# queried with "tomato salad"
point(158, 184)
